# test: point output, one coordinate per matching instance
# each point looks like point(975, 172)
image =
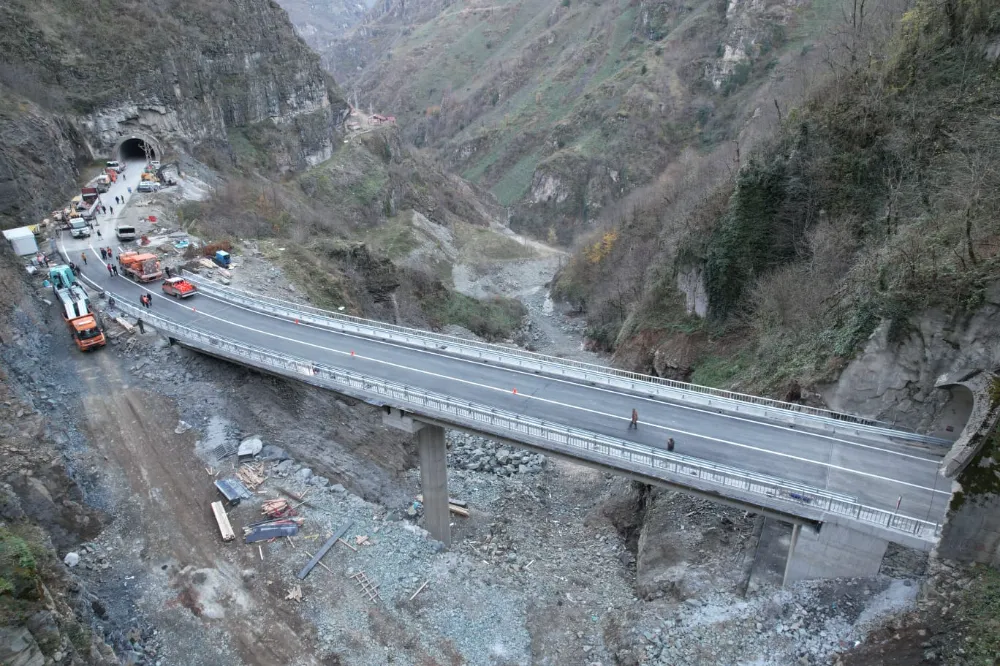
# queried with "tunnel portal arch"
point(137, 146)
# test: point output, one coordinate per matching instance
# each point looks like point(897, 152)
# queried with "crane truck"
point(79, 318)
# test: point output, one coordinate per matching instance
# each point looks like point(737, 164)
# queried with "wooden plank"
point(222, 518)
point(124, 324)
point(322, 551)
point(458, 508)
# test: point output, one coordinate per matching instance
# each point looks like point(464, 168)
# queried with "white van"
point(125, 232)
point(79, 228)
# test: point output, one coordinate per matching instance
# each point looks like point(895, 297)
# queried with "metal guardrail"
point(582, 444)
point(568, 368)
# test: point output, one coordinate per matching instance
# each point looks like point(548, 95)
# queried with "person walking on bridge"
point(114, 269)
point(110, 271)
point(634, 423)
point(83, 255)
point(670, 444)
point(104, 255)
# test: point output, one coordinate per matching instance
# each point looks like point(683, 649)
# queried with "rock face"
point(895, 381)
point(26, 132)
point(224, 81)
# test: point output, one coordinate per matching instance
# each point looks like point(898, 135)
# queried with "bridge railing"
point(782, 412)
point(582, 444)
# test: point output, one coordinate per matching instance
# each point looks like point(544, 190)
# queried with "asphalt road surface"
point(876, 476)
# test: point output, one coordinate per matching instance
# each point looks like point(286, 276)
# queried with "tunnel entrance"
point(136, 149)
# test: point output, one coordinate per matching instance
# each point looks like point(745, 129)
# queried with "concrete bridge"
point(849, 485)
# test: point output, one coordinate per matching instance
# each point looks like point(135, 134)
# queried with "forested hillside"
point(876, 201)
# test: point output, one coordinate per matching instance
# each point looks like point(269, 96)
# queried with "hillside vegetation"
point(562, 107)
point(348, 226)
point(876, 200)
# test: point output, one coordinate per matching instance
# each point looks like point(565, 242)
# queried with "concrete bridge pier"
point(433, 454)
point(833, 551)
point(434, 481)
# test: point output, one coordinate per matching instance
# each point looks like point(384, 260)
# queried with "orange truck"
point(144, 267)
point(178, 287)
point(79, 318)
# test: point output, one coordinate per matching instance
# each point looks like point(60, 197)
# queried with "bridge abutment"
point(433, 453)
point(832, 552)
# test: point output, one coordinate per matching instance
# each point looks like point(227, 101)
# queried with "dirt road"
point(207, 585)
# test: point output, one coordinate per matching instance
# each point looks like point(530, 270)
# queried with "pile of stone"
point(480, 454)
point(285, 467)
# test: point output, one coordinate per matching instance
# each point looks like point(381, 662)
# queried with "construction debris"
point(362, 540)
point(222, 519)
point(252, 475)
point(419, 589)
point(233, 490)
point(294, 594)
point(348, 545)
point(271, 530)
point(322, 551)
point(368, 588)
point(277, 508)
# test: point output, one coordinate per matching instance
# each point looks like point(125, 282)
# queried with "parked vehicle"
point(148, 186)
point(90, 212)
point(116, 165)
point(102, 183)
point(78, 228)
point(82, 323)
point(61, 277)
point(143, 267)
point(178, 288)
point(125, 232)
point(221, 258)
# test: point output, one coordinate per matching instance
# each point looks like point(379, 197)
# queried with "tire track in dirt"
point(171, 492)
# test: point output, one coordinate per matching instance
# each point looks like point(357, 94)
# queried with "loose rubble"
point(481, 454)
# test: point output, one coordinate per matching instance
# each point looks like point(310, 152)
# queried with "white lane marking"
point(700, 410)
point(566, 405)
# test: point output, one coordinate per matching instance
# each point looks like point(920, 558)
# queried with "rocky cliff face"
point(211, 78)
point(38, 154)
point(895, 380)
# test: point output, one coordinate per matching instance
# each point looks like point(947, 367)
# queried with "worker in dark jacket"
point(634, 423)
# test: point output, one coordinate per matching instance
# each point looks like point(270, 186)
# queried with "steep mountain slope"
point(868, 221)
point(319, 23)
point(376, 229)
point(562, 108)
point(179, 73)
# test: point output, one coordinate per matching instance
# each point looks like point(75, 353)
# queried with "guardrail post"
point(434, 482)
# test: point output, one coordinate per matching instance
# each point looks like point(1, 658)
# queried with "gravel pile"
point(809, 624)
point(481, 454)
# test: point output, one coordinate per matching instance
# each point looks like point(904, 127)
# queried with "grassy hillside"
point(347, 228)
point(875, 200)
point(561, 107)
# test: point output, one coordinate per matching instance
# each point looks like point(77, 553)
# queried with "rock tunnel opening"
point(953, 418)
point(136, 149)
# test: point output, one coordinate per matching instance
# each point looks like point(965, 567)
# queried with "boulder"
point(304, 474)
point(271, 452)
point(71, 559)
point(250, 446)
